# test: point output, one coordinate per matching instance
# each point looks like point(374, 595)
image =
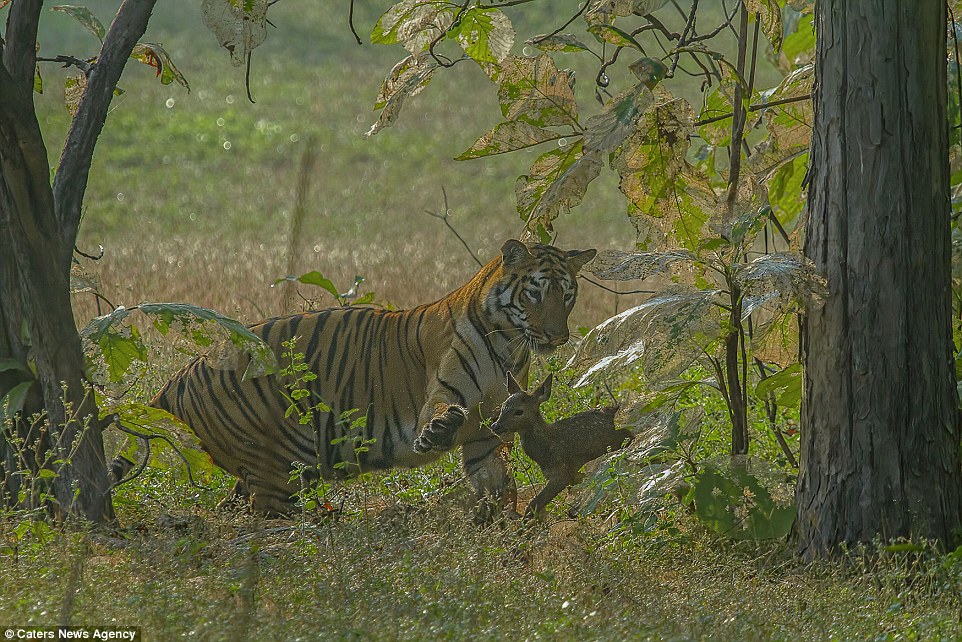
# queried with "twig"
point(447, 62)
point(739, 117)
point(445, 218)
point(535, 41)
point(683, 40)
point(147, 438)
point(603, 287)
point(350, 22)
point(757, 107)
point(717, 30)
point(247, 79)
point(69, 61)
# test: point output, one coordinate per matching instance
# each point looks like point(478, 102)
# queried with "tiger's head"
point(537, 290)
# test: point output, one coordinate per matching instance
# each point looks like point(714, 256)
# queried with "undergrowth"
point(416, 568)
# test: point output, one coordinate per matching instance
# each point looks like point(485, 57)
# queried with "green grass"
point(420, 570)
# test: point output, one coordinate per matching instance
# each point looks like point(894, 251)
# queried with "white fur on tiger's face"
point(423, 380)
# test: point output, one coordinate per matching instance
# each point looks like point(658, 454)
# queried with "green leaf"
point(238, 26)
point(13, 401)
point(799, 46)
point(564, 42)
point(567, 190)
point(485, 34)
point(615, 265)
point(85, 17)
point(407, 78)
point(156, 56)
point(664, 336)
point(120, 351)
point(770, 17)
point(413, 23)
point(314, 278)
point(668, 198)
point(735, 504)
point(785, 385)
point(535, 91)
point(508, 136)
point(37, 81)
point(12, 364)
point(649, 71)
point(716, 105)
point(615, 36)
point(546, 169)
point(606, 131)
point(169, 431)
point(785, 193)
point(262, 359)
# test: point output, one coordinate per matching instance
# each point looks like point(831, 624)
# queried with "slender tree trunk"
point(880, 431)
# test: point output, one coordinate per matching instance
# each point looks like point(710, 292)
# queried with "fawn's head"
point(521, 410)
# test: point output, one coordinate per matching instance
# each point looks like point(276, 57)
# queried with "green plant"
point(315, 492)
point(351, 296)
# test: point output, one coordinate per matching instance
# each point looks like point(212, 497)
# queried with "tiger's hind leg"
point(260, 498)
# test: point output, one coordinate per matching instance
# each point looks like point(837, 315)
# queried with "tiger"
point(424, 380)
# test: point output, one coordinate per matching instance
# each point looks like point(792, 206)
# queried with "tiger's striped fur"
point(424, 378)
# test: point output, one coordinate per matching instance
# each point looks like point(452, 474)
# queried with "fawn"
point(561, 448)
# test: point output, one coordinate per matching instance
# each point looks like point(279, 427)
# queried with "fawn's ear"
point(543, 393)
point(578, 258)
point(513, 385)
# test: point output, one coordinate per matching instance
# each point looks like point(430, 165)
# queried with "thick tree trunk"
point(38, 229)
point(38, 314)
point(880, 432)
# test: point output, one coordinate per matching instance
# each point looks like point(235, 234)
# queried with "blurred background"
point(193, 194)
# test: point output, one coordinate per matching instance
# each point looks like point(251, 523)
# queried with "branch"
point(350, 22)
point(20, 42)
point(70, 183)
point(612, 290)
point(69, 61)
point(147, 438)
point(535, 41)
point(759, 106)
point(444, 218)
point(741, 115)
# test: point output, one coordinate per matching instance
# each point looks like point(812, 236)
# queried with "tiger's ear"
point(514, 253)
point(513, 385)
point(578, 258)
point(543, 393)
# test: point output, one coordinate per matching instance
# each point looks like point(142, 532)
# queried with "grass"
point(420, 570)
point(183, 216)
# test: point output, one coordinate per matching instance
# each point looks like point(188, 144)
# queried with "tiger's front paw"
point(441, 432)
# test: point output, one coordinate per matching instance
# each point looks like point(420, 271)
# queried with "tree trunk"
point(38, 318)
point(880, 420)
point(38, 230)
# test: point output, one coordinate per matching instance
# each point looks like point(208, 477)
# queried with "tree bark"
point(38, 230)
point(880, 420)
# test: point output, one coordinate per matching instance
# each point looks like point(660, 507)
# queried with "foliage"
point(351, 296)
point(698, 214)
point(121, 346)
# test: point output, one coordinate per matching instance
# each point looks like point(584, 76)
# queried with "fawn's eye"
point(517, 412)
